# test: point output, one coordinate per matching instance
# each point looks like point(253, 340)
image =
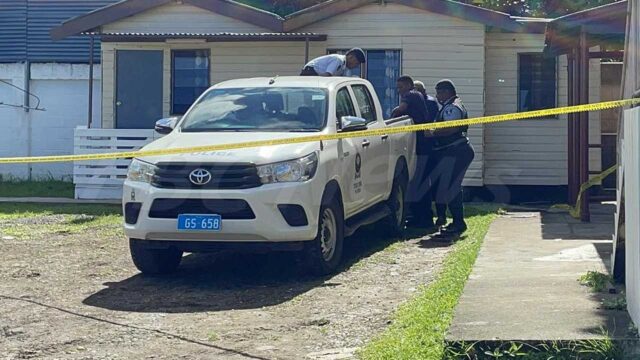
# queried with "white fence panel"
point(102, 179)
point(631, 161)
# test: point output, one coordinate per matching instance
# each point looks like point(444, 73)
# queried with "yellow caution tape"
point(576, 212)
point(386, 131)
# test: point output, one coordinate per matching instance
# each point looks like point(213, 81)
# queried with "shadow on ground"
point(560, 225)
point(224, 281)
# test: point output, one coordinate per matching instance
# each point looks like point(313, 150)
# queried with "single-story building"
point(158, 56)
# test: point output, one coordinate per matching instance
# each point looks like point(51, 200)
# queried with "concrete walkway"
point(54, 200)
point(524, 283)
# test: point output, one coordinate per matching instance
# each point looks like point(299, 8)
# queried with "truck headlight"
point(297, 170)
point(141, 171)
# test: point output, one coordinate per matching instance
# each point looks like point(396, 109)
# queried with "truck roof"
point(286, 81)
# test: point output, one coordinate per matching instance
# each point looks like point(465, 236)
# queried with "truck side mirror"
point(352, 123)
point(166, 125)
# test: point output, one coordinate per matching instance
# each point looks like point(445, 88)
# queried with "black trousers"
point(308, 71)
point(446, 178)
point(420, 192)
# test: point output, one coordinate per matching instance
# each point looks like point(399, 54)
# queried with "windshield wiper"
point(303, 130)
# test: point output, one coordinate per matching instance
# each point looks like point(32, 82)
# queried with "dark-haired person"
point(412, 103)
point(334, 64)
point(454, 154)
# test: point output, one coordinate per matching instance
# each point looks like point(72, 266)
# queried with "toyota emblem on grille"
point(200, 177)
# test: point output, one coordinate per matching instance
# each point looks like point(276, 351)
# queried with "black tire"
point(322, 255)
point(154, 261)
point(396, 222)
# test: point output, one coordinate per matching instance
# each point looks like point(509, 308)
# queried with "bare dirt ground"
point(73, 293)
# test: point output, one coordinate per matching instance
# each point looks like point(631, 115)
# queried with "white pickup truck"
point(304, 197)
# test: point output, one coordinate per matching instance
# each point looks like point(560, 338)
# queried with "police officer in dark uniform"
point(412, 103)
point(454, 154)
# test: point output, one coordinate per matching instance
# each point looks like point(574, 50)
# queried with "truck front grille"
point(229, 209)
point(223, 176)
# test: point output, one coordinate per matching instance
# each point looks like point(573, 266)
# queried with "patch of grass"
point(596, 349)
point(596, 280)
point(420, 325)
point(27, 220)
point(213, 336)
point(616, 303)
point(43, 188)
point(20, 210)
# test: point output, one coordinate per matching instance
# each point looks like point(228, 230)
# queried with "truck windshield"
point(258, 109)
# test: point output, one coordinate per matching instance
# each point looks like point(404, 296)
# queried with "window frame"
point(518, 82)
point(368, 94)
point(173, 78)
point(356, 110)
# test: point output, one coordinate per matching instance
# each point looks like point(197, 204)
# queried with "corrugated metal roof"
point(25, 26)
point(13, 32)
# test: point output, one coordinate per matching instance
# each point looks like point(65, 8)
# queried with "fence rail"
point(102, 179)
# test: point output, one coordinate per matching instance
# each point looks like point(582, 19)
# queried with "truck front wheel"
point(324, 253)
point(154, 261)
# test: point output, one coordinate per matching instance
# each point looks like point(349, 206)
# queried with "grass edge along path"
point(420, 325)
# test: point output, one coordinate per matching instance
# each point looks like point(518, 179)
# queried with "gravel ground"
point(76, 295)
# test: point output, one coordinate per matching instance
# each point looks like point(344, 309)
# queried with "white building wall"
point(63, 93)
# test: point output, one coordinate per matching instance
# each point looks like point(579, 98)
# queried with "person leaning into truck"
point(427, 167)
point(334, 64)
point(454, 154)
point(412, 103)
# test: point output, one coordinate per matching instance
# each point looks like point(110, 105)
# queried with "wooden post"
point(584, 122)
point(571, 164)
point(90, 115)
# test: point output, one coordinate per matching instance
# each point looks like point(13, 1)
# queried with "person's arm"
point(400, 110)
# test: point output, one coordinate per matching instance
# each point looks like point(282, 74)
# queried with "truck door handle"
point(365, 143)
point(384, 137)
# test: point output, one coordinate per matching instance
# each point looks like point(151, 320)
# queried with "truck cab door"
point(350, 155)
point(377, 179)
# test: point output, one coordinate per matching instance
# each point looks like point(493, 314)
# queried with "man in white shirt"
point(334, 64)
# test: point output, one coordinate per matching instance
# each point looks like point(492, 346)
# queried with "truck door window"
point(344, 105)
point(365, 103)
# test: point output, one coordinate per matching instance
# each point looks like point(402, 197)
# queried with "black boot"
point(458, 226)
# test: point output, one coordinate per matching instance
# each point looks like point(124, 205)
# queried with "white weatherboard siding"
point(227, 60)
point(181, 18)
point(254, 59)
point(433, 47)
point(528, 152)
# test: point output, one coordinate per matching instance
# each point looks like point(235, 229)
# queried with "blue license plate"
point(195, 222)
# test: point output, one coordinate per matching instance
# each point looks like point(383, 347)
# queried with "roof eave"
point(126, 8)
point(472, 13)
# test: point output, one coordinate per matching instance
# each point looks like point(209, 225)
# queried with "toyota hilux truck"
point(304, 197)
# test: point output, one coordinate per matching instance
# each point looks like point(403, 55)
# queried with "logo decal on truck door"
point(357, 183)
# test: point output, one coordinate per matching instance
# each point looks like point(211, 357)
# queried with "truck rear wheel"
point(396, 203)
point(323, 254)
point(154, 261)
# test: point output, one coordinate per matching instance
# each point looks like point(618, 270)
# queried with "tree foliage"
point(539, 8)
